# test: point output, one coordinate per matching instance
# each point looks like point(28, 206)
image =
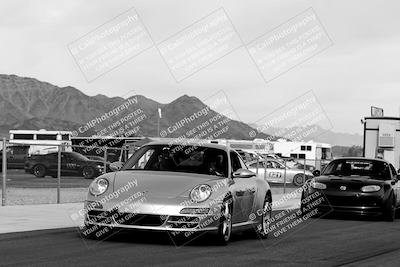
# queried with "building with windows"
point(41, 141)
point(382, 139)
point(314, 153)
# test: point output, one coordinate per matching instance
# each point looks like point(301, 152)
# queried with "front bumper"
point(155, 217)
point(350, 202)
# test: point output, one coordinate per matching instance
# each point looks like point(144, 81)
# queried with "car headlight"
point(370, 188)
point(200, 193)
point(98, 186)
point(317, 185)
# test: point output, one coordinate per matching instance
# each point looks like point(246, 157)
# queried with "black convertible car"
point(355, 185)
point(72, 163)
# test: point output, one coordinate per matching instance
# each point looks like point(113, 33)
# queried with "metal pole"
point(58, 174)
point(105, 159)
point(265, 167)
point(158, 125)
point(3, 191)
point(258, 160)
point(284, 179)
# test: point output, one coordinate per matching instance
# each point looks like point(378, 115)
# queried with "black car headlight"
point(317, 185)
point(98, 186)
point(370, 188)
point(200, 193)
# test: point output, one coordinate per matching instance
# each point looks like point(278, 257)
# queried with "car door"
point(243, 190)
point(10, 157)
point(51, 162)
point(20, 153)
point(275, 173)
point(72, 164)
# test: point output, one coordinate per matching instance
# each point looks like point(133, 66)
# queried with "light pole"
point(158, 122)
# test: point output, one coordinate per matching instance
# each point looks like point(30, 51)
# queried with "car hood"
point(348, 180)
point(157, 184)
point(95, 162)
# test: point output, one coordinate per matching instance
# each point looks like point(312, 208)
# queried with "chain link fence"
point(62, 173)
point(54, 173)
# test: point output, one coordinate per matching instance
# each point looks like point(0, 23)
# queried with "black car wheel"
point(39, 170)
point(389, 213)
point(298, 179)
point(88, 172)
point(225, 224)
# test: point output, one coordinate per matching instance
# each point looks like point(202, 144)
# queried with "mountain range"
point(27, 103)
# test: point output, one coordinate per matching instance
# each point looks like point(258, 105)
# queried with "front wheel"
point(88, 172)
point(39, 171)
point(298, 179)
point(225, 225)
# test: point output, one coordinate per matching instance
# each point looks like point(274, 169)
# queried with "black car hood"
point(361, 180)
point(96, 162)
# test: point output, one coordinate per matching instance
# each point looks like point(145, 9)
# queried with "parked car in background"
point(72, 163)
point(276, 172)
point(16, 156)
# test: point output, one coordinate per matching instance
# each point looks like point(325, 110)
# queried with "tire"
point(389, 213)
point(263, 228)
point(298, 179)
point(39, 171)
point(88, 172)
point(225, 223)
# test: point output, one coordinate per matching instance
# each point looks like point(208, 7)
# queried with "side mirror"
point(243, 173)
point(116, 166)
point(316, 173)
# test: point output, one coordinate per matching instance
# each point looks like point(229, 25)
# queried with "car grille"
point(183, 221)
point(140, 219)
point(352, 201)
point(123, 218)
point(99, 216)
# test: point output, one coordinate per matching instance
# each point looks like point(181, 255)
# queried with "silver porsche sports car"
point(185, 189)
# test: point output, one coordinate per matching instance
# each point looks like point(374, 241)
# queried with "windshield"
point(359, 167)
point(190, 159)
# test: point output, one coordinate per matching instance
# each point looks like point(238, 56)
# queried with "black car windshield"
point(374, 169)
point(174, 158)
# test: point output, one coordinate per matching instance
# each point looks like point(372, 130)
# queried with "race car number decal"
point(72, 165)
point(275, 174)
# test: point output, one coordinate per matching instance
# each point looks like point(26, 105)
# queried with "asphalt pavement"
point(318, 242)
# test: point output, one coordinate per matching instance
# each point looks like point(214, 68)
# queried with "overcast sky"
point(360, 69)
